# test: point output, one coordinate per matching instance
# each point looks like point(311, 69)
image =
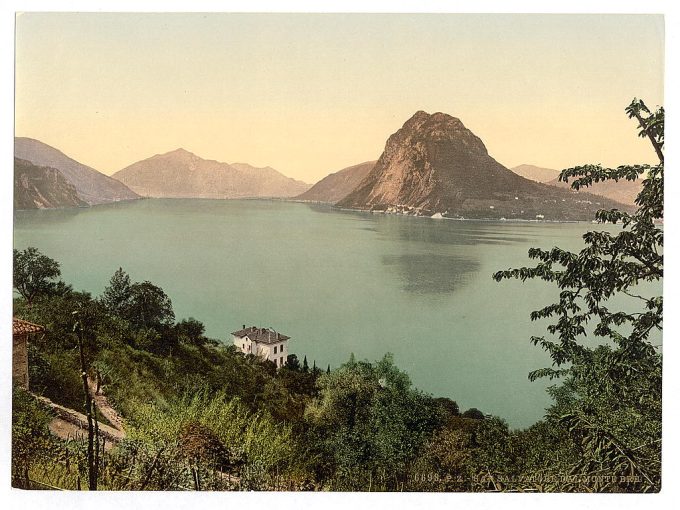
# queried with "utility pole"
point(91, 461)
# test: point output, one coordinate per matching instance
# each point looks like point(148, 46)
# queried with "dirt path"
point(71, 424)
point(104, 407)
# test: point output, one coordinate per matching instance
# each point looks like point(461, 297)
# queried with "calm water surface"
point(336, 282)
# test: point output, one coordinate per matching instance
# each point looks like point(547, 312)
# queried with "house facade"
point(21, 331)
point(263, 342)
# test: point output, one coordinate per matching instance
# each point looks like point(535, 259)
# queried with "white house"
point(263, 342)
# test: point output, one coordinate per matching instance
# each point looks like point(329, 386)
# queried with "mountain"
point(435, 165)
point(92, 186)
point(272, 182)
point(622, 191)
point(181, 174)
point(337, 185)
point(41, 187)
point(536, 173)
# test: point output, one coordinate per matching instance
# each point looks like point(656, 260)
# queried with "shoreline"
point(327, 205)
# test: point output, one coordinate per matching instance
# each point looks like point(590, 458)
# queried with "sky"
point(309, 94)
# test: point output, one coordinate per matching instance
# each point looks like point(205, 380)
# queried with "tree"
point(117, 296)
point(610, 401)
point(369, 423)
point(190, 331)
point(34, 274)
point(150, 307)
point(473, 413)
point(292, 363)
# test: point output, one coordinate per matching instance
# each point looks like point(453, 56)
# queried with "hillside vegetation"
point(201, 415)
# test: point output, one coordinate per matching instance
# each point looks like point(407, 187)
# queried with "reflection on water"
point(429, 273)
point(46, 216)
point(43, 217)
point(445, 232)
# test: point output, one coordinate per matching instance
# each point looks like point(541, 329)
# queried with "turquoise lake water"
point(336, 282)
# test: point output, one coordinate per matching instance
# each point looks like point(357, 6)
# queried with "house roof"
point(261, 335)
point(22, 327)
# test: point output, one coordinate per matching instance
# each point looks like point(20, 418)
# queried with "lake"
point(335, 281)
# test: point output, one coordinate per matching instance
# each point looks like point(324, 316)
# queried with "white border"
point(35, 499)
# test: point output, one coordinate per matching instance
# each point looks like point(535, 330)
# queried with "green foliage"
point(368, 420)
point(150, 307)
point(55, 375)
point(147, 309)
point(117, 296)
point(251, 445)
point(292, 363)
point(190, 331)
point(610, 401)
point(474, 414)
point(31, 441)
point(445, 462)
point(449, 407)
point(34, 274)
point(56, 314)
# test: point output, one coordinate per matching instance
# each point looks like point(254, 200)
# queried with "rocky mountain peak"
point(178, 154)
point(91, 186)
point(434, 165)
point(437, 128)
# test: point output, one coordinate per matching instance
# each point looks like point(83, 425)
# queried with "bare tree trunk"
point(147, 478)
point(91, 467)
point(96, 444)
point(99, 383)
point(655, 144)
point(197, 483)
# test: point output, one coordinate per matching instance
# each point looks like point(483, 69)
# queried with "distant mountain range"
point(338, 185)
point(435, 165)
point(42, 187)
point(182, 174)
point(536, 173)
point(91, 186)
point(622, 191)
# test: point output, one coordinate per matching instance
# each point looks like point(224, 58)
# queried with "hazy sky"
point(310, 94)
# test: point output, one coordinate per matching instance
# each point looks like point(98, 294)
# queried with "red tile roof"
point(261, 335)
point(22, 327)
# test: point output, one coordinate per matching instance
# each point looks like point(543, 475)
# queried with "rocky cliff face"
point(338, 185)
point(92, 186)
point(40, 187)
point(182, 174)
point(435, 165)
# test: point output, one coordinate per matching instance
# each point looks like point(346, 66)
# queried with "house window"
point(281, 349)
point(274, 349)
point(281, 362)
